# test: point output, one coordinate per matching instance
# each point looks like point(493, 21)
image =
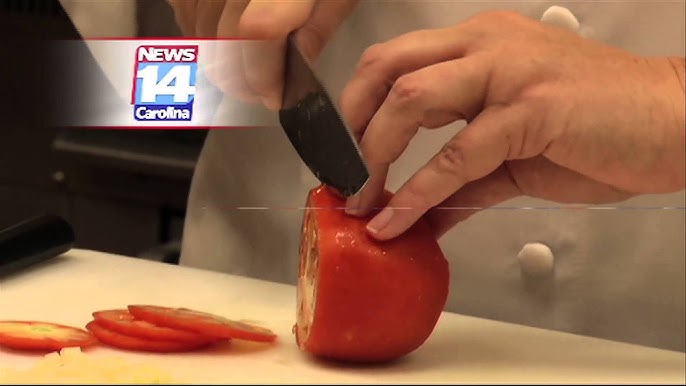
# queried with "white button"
point(560, 17)
point(536, 259)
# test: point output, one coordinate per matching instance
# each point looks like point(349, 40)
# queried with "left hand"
point(255, 72)
point(550, 115)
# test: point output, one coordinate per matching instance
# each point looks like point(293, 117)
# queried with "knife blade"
point(316, 129)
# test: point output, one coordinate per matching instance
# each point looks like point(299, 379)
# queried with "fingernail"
point(380, 221)
point(351, 207)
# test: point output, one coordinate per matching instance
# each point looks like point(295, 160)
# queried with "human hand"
point(255, 73)
point(550, 115)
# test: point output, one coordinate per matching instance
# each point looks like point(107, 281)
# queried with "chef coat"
point(615, 272)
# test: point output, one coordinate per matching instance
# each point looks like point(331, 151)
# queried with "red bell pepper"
point(360, 299)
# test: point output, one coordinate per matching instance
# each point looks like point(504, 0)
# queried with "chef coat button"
point(536, 259)
point(560, 17)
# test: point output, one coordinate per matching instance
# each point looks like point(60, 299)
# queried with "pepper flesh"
point(360, 299)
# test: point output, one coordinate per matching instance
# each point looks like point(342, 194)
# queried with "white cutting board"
point(461, 350)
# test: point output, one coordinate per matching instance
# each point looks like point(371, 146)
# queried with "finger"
point(230, 17)
point(269, 23)
point(536, 177)
point(361, 203)
point(225, 60)
point(207, 15)
point(184, 14)
point(475, 196)
point(382, 64)
point(431, 97)
point(273, 20)
point(326, 18)
point(263, 64)
point(473, 153)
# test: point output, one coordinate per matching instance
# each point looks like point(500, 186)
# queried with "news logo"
point(164, 83)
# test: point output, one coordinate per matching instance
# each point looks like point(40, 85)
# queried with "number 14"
point(181, 90)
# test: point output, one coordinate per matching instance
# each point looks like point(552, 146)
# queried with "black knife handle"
point(33, 241)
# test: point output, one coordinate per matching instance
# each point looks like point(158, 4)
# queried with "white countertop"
point(461, 350)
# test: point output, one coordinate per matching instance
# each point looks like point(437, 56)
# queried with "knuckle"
point(373, 57)
point(408, 89)
point(451, 159)
point(541, 98)
point(383, 55)
point(538, 98)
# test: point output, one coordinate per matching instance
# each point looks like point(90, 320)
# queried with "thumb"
point(184, 15)
point(315, 23)
point(327, 17)
point(267, 24)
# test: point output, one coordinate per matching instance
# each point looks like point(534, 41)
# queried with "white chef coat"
point(612, 273)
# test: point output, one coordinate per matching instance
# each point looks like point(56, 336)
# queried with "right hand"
point(550, 115)
point(255, 72)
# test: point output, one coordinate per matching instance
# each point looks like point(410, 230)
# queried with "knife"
point(316, 129)
point(34, 241)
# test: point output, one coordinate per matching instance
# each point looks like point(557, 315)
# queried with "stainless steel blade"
point(316, 129)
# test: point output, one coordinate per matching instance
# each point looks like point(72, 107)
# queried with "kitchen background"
point(123, 192)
